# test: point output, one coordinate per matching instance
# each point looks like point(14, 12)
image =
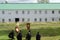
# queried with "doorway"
point(16, 19)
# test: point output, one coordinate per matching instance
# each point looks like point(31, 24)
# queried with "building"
point(18, 1)
point(24, 1)
point(30, 12)
point(43, 1)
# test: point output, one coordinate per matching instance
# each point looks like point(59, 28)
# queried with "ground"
point(48, 30)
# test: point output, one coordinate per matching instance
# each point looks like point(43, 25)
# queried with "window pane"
point(16, 12)
point(22, 12)
point(35, 12)
point(28, 12)
point(3, 20)
point(52, 12)
point(9, 13)
point(28, 19)
point(45, 19)
point(3, 12)
point(35, 19)
point(59, 12)
point(40, 19)
point(59, 19)
point(52, 19)
point(40, 12)
point(45, 12)
point(22, 19)
point(9, 20)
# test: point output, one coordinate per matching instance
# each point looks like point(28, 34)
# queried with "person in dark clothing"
point(38, 36)
point(11, 35)
point(19, 36)
point(28, 36)
point(28, 26)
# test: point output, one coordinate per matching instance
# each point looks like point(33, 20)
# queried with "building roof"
point(30, 6)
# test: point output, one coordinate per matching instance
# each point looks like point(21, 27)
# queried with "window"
point(40, 12)
point(59, 19)
point(17, 19)
point(3, 12)
point(23, 19)
point(6, 2)
point(9, 13)
point(40, 19)
point(35, 12)
point(45, 19)
point(28, 12)
point(22, 12)
point(59, 12)
point(9, 20)
point(35, 19)
point(3, 20)
point(45, 12)
point(52, 19)
point(52, 12)
point(28, 19)
point(16, 12)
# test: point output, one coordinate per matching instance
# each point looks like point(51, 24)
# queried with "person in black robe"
point(11, 35)
point(19, 36)
point(28, 36)
point(38, 36)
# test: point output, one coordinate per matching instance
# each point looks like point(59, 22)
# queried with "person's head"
point(20, 31)
point(28, 24)
point(37, 32)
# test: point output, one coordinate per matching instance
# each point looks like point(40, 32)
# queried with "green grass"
point(48, 30)
point(33, 38)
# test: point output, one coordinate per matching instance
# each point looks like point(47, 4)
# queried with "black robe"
point(38, 37)
point(19, 36)
point(28, 36)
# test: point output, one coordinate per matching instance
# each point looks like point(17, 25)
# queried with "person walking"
point(28, 36)
point(38, 36)
point(11, 35)
point(19, 36)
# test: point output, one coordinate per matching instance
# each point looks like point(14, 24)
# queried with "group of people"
point(19, 34)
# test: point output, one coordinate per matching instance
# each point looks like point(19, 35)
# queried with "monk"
point(17, 29)
point(28, 26)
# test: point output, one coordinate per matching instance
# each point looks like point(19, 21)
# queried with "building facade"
point(24, 1)
point(29, 12)
point(43, 1)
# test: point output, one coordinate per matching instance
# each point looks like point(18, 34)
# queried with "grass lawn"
point(48, 30)
point(33, 38)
